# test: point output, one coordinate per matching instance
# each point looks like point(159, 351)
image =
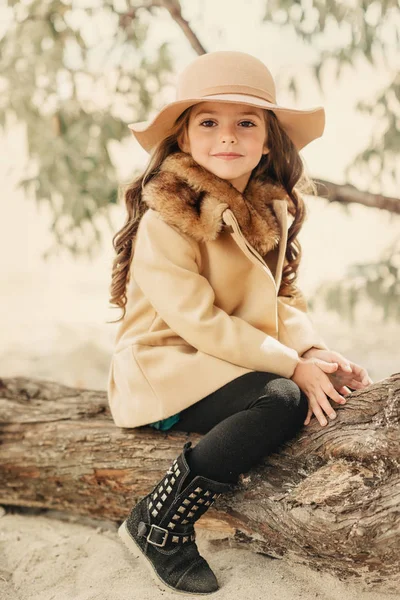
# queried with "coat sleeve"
point(165, 266)
point(295, 326)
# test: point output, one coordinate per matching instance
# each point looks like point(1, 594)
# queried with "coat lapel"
point(193, 199)
point(282, 216)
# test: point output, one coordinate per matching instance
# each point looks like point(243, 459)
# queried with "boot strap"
point(158, 536)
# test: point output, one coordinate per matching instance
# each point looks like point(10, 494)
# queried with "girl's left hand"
point(347, 373)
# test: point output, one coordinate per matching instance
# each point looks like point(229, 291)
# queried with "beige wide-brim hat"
point(229, 76)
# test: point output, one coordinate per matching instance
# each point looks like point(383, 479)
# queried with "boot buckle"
point(165, 537)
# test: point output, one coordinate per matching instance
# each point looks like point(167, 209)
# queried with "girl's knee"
point(286, 389)
point(289, 395)
point(296, 400)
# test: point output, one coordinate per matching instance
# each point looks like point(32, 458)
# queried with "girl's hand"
point(311, 376)
point(348, 373)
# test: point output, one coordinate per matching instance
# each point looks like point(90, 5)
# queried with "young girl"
point(215, 336)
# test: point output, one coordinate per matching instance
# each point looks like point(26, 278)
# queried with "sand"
point(53, 556)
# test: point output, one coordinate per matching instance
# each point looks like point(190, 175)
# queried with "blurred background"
point(74, 73)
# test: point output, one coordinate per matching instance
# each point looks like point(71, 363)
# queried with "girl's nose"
point(228, 136)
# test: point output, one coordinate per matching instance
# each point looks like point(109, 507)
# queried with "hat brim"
point(302, 126)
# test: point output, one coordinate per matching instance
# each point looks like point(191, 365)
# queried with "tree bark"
point(329, 498)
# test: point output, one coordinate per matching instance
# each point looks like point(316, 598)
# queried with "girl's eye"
point(211, 121)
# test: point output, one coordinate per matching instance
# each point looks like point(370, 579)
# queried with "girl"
point(215, 336)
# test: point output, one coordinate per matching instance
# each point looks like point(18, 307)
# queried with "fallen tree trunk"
point(329, 499)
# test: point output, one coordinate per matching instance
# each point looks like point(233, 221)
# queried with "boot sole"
point(138, 553)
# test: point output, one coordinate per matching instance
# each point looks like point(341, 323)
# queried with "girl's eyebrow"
point(214, 112)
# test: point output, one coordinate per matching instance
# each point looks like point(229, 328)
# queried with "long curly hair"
point(282, 165)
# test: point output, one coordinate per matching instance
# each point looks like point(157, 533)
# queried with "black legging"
point(243, 421)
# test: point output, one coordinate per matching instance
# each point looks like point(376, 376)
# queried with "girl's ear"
point(266, 150)
point(182, 142)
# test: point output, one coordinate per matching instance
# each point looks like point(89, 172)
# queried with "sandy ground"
point(43, 557)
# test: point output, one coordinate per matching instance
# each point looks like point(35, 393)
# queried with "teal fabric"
point(166, 424)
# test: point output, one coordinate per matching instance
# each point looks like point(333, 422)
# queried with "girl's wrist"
point(309, 352)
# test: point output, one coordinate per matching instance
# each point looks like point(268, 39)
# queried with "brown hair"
point(282, 165)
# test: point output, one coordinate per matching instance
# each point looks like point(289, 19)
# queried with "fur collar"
point(193, 199)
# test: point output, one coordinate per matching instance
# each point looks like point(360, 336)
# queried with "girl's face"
point(216, 127)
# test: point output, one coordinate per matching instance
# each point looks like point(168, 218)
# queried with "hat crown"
point(226, 72)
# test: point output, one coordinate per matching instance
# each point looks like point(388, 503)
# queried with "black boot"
point(160, 529)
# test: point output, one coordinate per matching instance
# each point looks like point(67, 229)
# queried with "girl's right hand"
point(310, 376)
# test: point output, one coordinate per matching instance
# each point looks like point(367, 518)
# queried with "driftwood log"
point(329, 499)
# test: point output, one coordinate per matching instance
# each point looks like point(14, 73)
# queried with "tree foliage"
point(376, 284)
point(363, 30)
point(74, 73)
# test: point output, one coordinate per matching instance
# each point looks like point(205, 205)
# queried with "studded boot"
point(160, 529)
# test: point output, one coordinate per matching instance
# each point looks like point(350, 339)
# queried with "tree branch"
point(348, 194)
point(174, 9)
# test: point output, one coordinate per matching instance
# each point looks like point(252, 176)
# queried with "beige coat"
point(202, 304)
